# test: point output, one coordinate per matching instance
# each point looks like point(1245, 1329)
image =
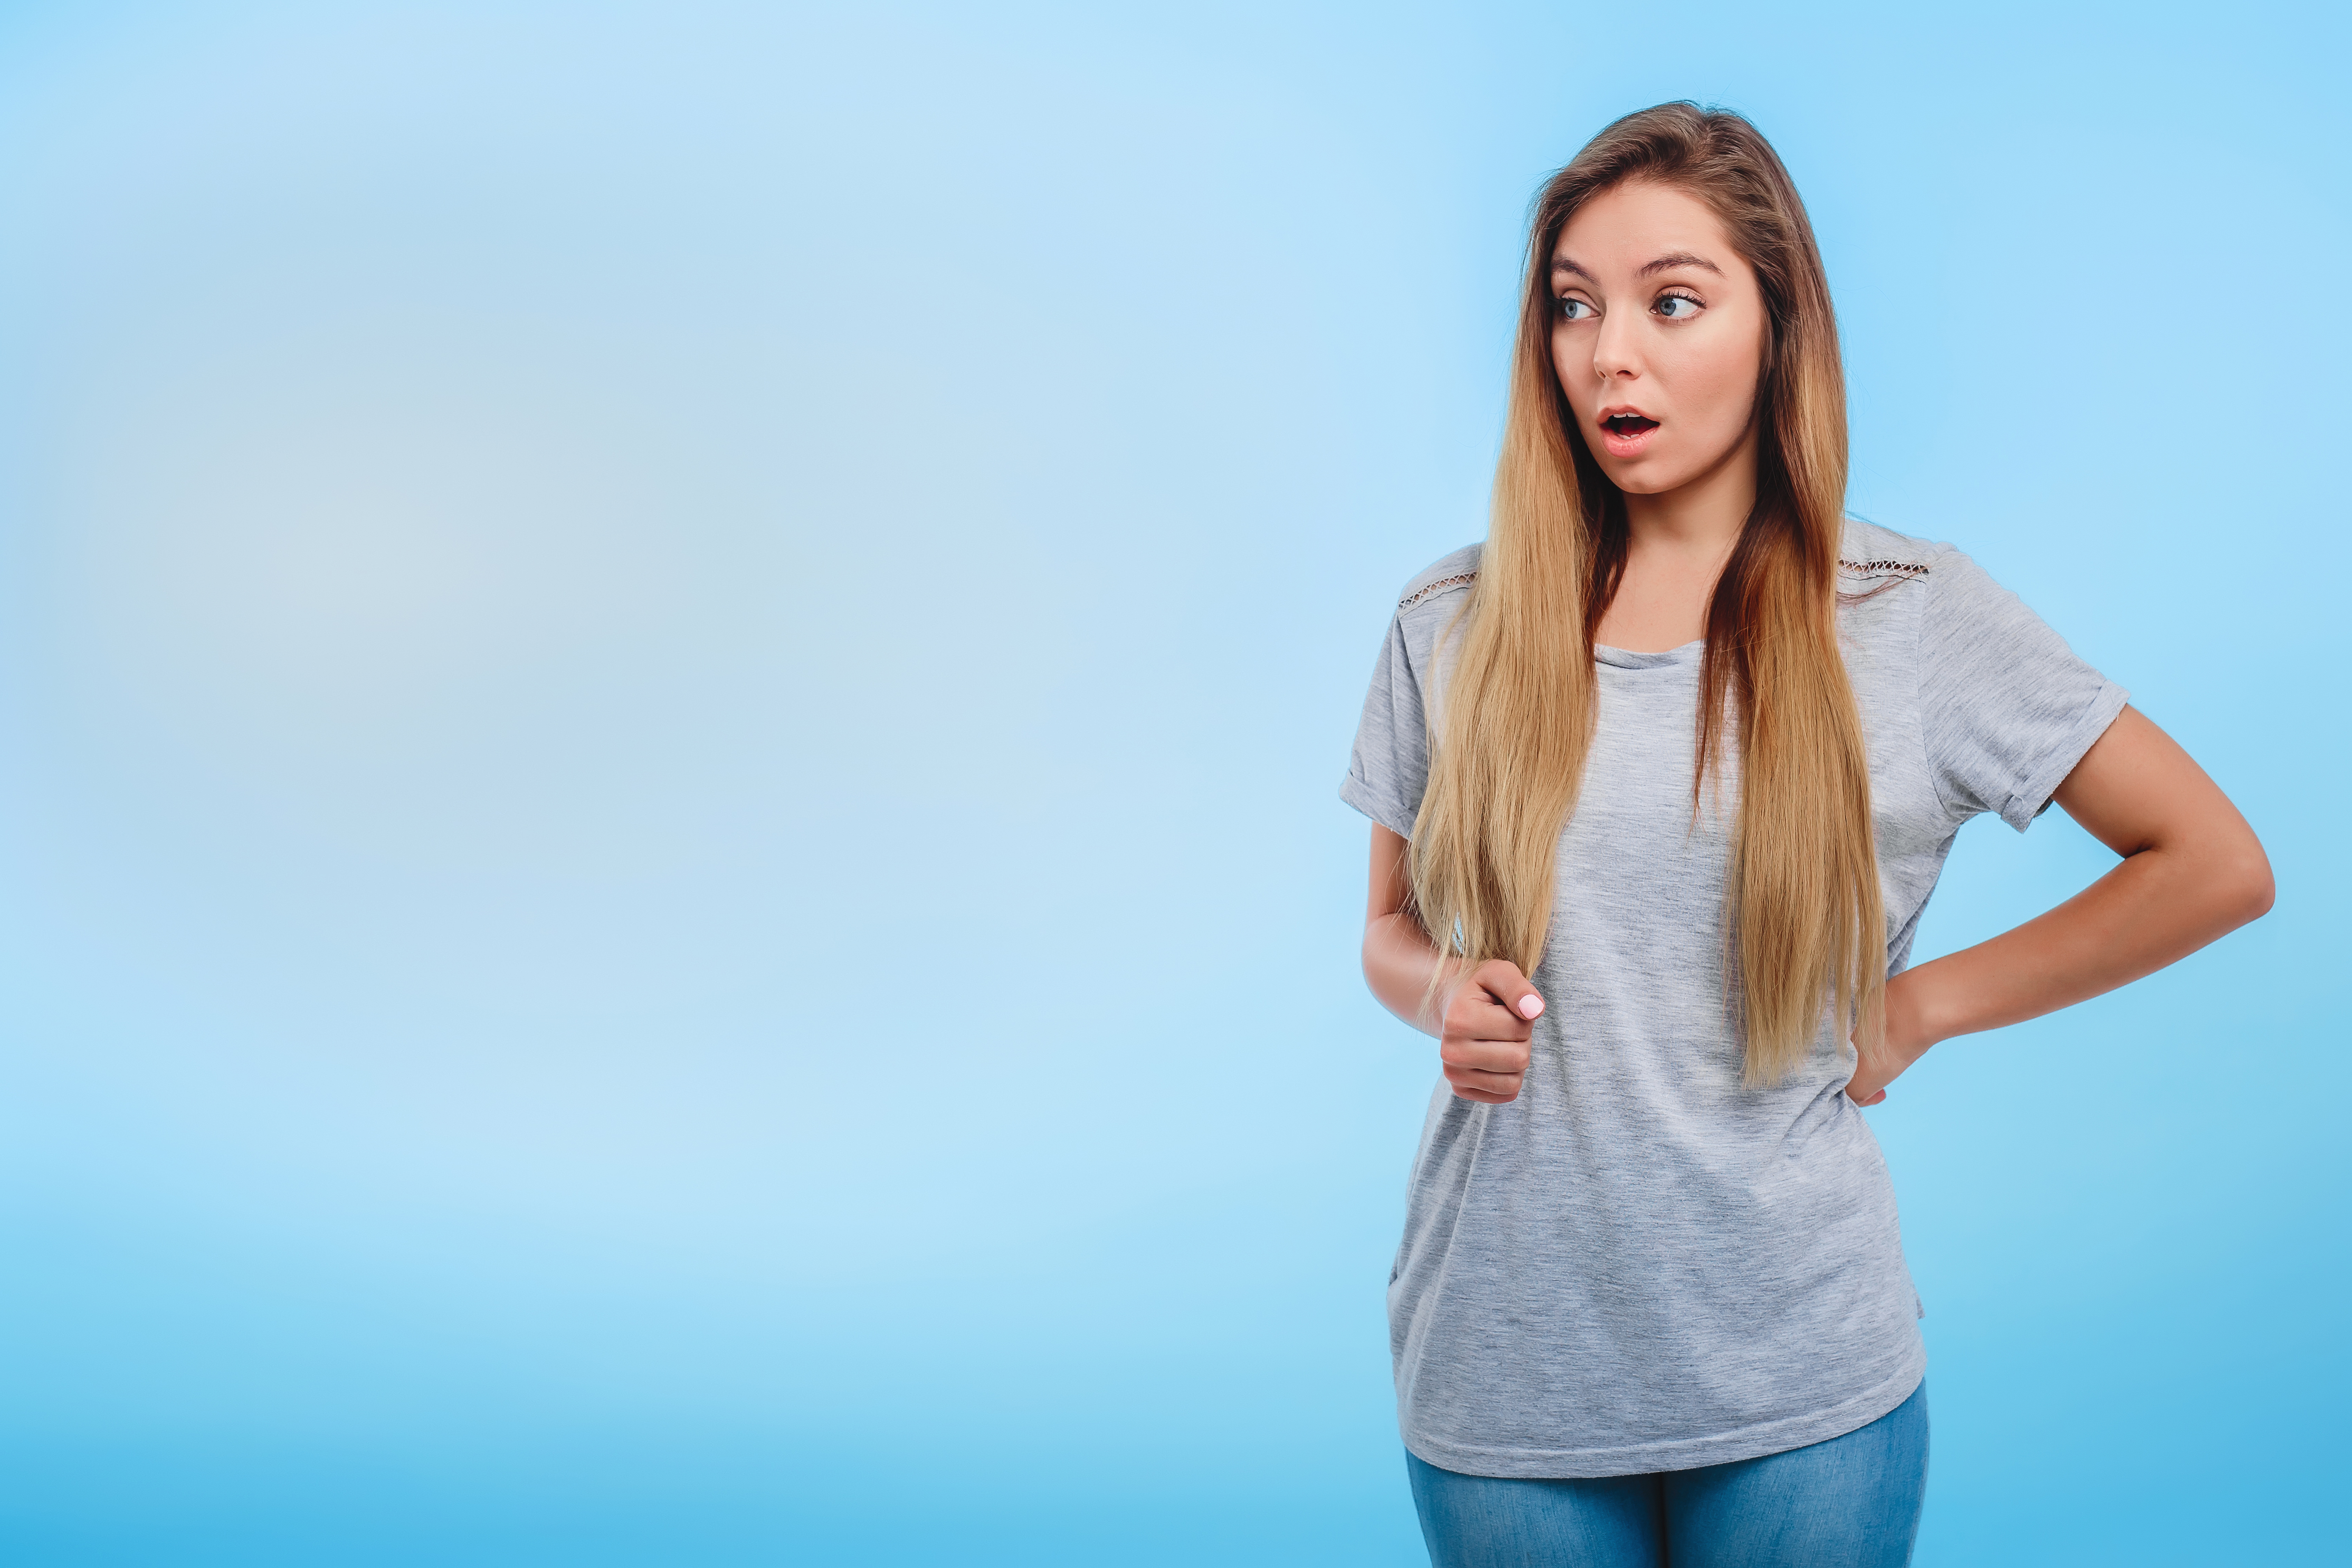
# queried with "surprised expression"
point(1658, 331)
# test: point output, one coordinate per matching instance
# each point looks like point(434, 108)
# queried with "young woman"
point(1660, 778)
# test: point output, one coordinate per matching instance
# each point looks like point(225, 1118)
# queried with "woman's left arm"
point(2192, 871)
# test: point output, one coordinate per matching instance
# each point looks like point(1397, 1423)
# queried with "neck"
point(1701, 519)
point(1676, 543)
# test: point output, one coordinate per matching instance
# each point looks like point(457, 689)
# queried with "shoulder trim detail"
point(1892, 573)
point(1884, 568)
point(1459, 579)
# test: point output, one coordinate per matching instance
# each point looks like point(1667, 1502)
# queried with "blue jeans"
point(1849, 1502)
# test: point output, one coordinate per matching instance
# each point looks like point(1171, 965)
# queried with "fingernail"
point(1530, 1005)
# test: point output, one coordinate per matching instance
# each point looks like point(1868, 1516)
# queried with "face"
point(1657, 336)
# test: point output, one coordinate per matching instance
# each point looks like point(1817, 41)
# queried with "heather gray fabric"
point(1639, 1265)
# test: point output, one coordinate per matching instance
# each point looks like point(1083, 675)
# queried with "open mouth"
point(1627, 424)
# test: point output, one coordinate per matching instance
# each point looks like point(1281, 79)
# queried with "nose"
point(1613, 358)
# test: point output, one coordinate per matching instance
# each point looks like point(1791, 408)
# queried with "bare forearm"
point(1397, 959)
point(2154, 908)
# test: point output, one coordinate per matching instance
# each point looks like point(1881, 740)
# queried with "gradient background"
point(671, 684)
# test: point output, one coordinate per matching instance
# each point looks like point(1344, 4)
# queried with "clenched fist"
point(1482, 1038)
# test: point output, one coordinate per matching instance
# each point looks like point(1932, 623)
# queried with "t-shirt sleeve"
point(2007, 708)
point(1390, 767)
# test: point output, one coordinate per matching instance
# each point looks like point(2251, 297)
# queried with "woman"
point(1669, 768)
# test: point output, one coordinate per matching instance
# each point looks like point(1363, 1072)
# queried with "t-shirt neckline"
point(1626, 658)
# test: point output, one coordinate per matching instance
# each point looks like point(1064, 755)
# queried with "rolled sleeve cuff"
point(1388, 813)
point(2032, 795)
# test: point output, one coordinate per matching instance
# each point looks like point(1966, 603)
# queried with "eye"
point(1571, 308)
point(1677, 307)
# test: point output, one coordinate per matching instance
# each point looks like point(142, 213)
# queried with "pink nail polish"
point(1530, 1006)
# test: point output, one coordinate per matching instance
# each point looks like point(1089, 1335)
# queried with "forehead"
point(1624, 227)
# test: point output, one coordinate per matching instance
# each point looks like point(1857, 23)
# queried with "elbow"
point(2245, 884)
point(2262, 892)
point(1371, 955)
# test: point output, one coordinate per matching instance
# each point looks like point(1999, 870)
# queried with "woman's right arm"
point(1483, 1019)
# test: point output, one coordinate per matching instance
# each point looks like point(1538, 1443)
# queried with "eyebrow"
point(1666, 263)
point(1674, 258)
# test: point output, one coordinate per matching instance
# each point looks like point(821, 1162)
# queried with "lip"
point(1631, 445)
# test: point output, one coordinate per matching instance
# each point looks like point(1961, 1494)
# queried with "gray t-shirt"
point(1639, 1263)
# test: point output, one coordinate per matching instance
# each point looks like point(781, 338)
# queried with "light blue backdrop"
point(671, 683)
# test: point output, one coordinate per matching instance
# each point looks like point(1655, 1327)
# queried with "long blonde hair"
point(1802, 907)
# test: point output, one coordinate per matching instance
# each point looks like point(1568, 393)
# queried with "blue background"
point(671, 684)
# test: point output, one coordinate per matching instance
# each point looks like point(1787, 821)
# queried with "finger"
point(1507, 986)
point(1476, 1015)
point(1487, 1056)
point(1490, 1088)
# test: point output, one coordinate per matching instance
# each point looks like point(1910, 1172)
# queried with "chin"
point(1641, 480)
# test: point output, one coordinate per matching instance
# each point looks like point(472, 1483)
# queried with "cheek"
point(1716, 381)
